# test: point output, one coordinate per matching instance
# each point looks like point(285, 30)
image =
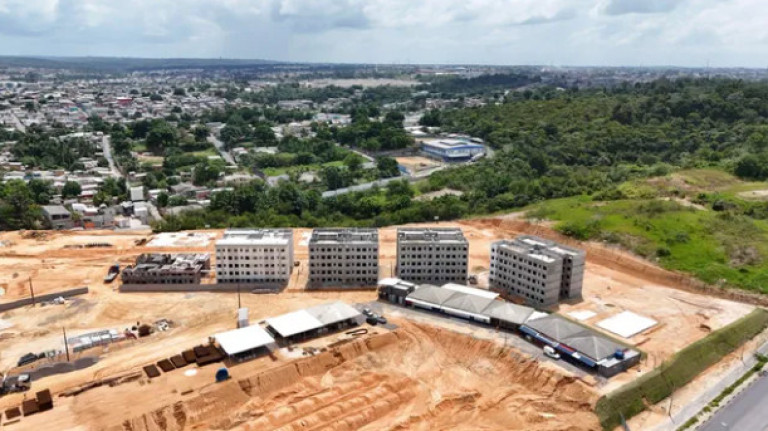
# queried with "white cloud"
point(685, 32)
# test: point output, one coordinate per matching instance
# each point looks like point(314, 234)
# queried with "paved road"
point(106, 146)
point(17, 123)
point(748, 411)
point(220, 147)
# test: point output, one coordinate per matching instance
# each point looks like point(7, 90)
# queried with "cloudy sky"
point(553, 32)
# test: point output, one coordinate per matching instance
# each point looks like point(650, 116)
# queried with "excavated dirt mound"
point(416, 378)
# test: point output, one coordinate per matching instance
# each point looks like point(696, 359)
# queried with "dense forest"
point(554, 143)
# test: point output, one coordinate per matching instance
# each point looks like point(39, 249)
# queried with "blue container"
point(222, 374)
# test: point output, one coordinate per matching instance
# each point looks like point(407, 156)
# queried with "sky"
point(692, 33)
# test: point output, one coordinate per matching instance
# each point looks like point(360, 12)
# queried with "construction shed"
point(395, 290)
point(314, 321)
point(580, 344)
point(469, 303)
point(245, 343)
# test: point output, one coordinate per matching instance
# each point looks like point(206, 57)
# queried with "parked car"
point(372, 320)
point(27, 359)
point(381, 319)
point(367, 311)
point(551, 352)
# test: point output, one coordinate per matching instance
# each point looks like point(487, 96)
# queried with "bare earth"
point(416, 377)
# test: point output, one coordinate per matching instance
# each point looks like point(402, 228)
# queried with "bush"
point(674, 373)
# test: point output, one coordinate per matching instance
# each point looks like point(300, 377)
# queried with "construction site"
point(420, 371)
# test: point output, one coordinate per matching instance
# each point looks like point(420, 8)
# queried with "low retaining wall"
point(42, 298)
point(214, 287)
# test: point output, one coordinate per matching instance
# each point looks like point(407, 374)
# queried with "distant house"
point(58, 217)
point(137, 194)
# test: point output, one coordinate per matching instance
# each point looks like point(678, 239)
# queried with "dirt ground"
point(417, 377)
point(426, 378)
point(417, 164)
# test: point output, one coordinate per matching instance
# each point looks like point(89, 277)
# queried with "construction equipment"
point(20, 383)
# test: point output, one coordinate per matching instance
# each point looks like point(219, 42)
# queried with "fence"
point(42, 298)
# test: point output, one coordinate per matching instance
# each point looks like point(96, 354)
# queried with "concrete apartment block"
point(542, 272)
point(251, 256)
point(432, 255)
point(343, 257)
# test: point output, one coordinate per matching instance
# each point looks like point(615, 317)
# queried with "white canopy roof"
point(294, 323)
point(471, 290)
point(329, 314)
point(243, 339)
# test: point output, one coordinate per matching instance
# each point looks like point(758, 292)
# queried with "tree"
point(161, 135)
point(430, 118)
point(333, 177)
point(387, 167)
point(230, 135)
point(179, 92)
point(41, 191)
point(205, 172)
point(17, 208)
point(201, 133)
point(162, 199)
point(353, 162)
point(71, 189)
point(750, 167)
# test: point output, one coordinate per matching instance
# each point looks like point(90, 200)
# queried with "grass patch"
point(206, 153)
point(722, 248)
point(139, 147)
point(271, 172)
point(674, 373)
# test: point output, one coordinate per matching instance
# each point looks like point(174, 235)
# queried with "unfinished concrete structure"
point(255, 256)
point(432, 255)
point(540, 271)
point(343, 257)
point(167, 269)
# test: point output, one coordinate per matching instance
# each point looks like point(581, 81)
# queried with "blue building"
point(453, 150)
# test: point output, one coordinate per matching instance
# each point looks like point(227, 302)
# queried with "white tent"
point(243, 339)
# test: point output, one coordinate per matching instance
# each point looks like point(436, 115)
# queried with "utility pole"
point(66, 346)
point(32, 291)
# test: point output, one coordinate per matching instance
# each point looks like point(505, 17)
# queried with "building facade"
point(167, 269)
point(251, 256)
point(343, 257)
point(58, 217)
point(432, 255)
point(540, 271)
point(452, 150)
